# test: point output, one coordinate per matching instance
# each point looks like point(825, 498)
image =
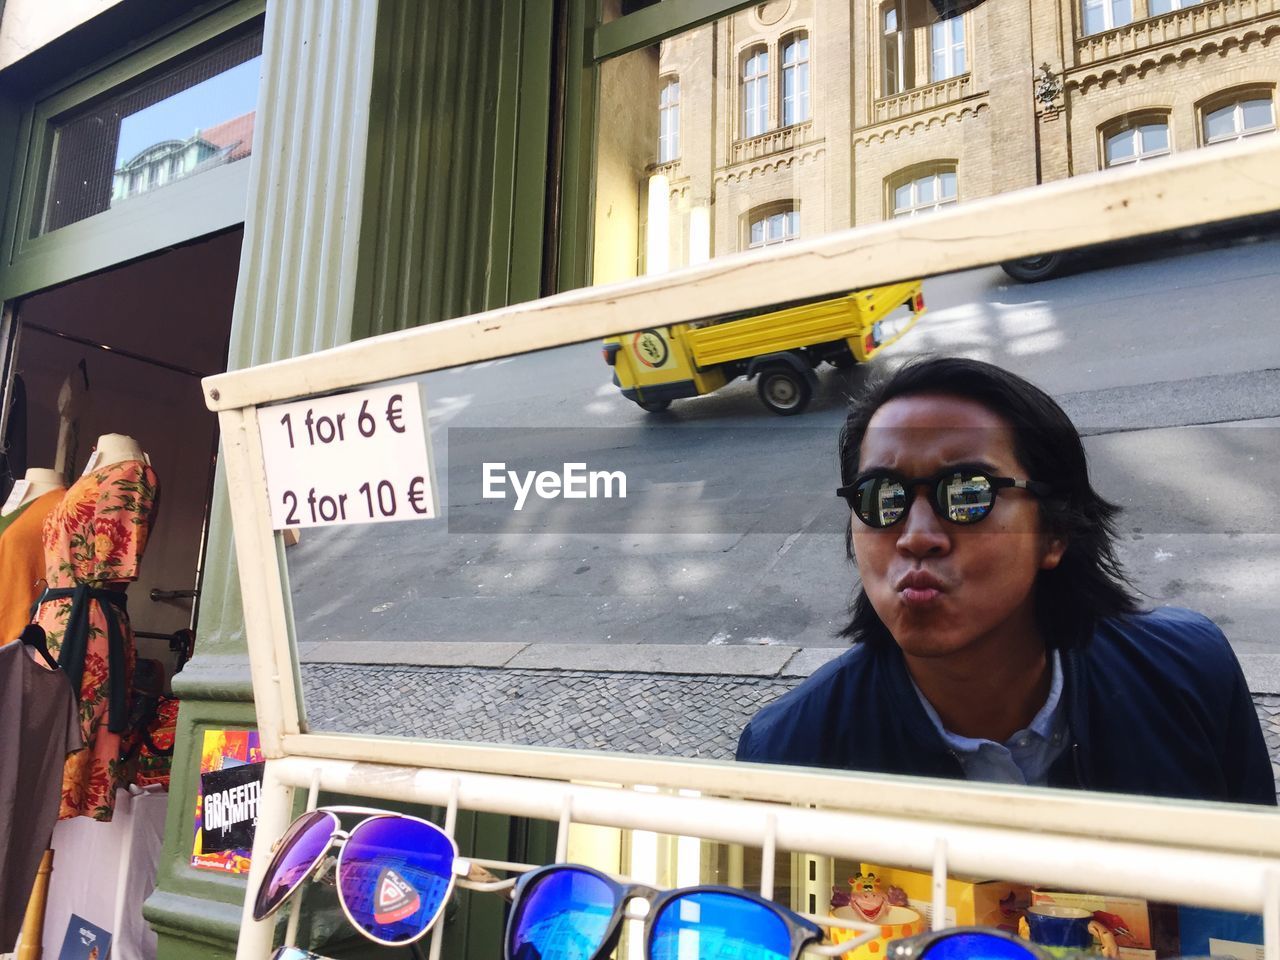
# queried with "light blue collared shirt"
point(1025, 757)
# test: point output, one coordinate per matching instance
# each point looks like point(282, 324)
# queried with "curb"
point(1261, 670)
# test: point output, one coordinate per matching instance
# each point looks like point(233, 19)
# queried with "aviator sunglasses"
point(572, 912)
point(394, 872)
point(963, 494)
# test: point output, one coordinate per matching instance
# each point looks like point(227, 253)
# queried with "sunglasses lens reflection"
point(976, 946)
point(301, 846)
point(564, 915)
point(394, 877)
point(707, 925)
point(964, 498)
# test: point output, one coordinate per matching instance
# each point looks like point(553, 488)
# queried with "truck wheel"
point(653, 406)
point(1034, 269)
point(784, 391)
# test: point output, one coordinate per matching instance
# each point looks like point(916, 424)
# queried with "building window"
point(669, 121)
point(1102, 15)
point(895, 64)
point(193, 115)
point(1135, 140)
point(772, 225)
point(1157, 7)
point(946, 49)
point(920, 190)
point(795, 80)
point(755, 92)
point(1241, 116)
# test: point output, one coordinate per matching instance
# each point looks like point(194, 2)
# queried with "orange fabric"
point(22, 564)
point(96, 535)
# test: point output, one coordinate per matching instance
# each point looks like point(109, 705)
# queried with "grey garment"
point(39, 726)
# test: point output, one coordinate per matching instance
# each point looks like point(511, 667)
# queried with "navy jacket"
point(1156, 704)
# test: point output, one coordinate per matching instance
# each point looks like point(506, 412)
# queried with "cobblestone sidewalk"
point(663, 714)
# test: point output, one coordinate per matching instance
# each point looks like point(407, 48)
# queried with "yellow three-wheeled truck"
point(781, 348)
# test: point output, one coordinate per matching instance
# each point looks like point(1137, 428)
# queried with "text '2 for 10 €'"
point(359, 457)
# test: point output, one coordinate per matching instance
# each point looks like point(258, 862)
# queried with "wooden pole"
point(32, 945)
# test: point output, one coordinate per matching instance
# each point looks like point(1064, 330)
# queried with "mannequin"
point(115, 448)
point(21, 549)
point(93, 545)
point(40, 480)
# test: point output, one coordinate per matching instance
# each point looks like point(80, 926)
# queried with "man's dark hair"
point(1089, 584)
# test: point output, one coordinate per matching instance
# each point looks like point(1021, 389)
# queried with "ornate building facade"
point(793, 118)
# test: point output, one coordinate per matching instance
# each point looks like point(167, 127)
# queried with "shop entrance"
point(122, 352)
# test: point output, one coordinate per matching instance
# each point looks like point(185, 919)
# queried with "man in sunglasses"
point(996, 637)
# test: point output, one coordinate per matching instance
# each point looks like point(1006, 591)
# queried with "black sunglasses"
point(964, 495)
point(977, 943)
point(572, 912)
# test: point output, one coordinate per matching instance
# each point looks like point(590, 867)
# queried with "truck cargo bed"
point(795, 327)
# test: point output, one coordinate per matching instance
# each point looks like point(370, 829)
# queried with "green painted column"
point(294, 295)
point(399, 178)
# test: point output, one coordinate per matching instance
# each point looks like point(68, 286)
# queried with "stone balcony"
point(671, 169)
point(923, 98)
point(774, 141)
point(1169, 28)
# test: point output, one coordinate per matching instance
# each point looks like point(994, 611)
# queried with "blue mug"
point(1059, 928)
point(1051, 925)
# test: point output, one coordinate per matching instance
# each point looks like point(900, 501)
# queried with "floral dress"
point(95, 538)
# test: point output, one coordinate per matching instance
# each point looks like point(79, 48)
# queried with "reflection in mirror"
point(613, 573)
point(797, 118)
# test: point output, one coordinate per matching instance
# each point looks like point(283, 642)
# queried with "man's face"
point(942, 588)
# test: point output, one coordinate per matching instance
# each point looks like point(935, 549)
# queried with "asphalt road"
point(731, 533)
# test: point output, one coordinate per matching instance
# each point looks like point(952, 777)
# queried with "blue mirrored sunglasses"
point(394, 872)
point(572, 912)
point(976, 943)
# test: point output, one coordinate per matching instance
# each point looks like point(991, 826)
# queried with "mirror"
point(543, 606)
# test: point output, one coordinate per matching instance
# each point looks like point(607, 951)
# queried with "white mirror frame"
point(1184, 852)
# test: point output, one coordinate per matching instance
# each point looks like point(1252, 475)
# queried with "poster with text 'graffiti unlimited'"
point(222, 750)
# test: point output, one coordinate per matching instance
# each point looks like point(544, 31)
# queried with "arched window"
point(773, 224)
point(1135, 138)
point(795, 79)
point(1102, 15)
point(1237, 115)
point(755, 91)
point(922, 188)
point(669, 120)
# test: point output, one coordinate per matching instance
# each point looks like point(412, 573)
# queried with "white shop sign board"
point(359, 457)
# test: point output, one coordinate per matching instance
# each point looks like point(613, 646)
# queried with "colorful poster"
point(223, 750)
point(229, 807)
point(84, 941)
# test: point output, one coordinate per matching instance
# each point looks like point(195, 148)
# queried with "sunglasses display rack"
point(1185, 874)
point(1203, 854)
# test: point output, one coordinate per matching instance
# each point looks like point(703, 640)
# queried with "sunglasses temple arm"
point(504, 887)
point(839, 949)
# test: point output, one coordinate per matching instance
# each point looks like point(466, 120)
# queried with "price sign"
point(358, 457)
